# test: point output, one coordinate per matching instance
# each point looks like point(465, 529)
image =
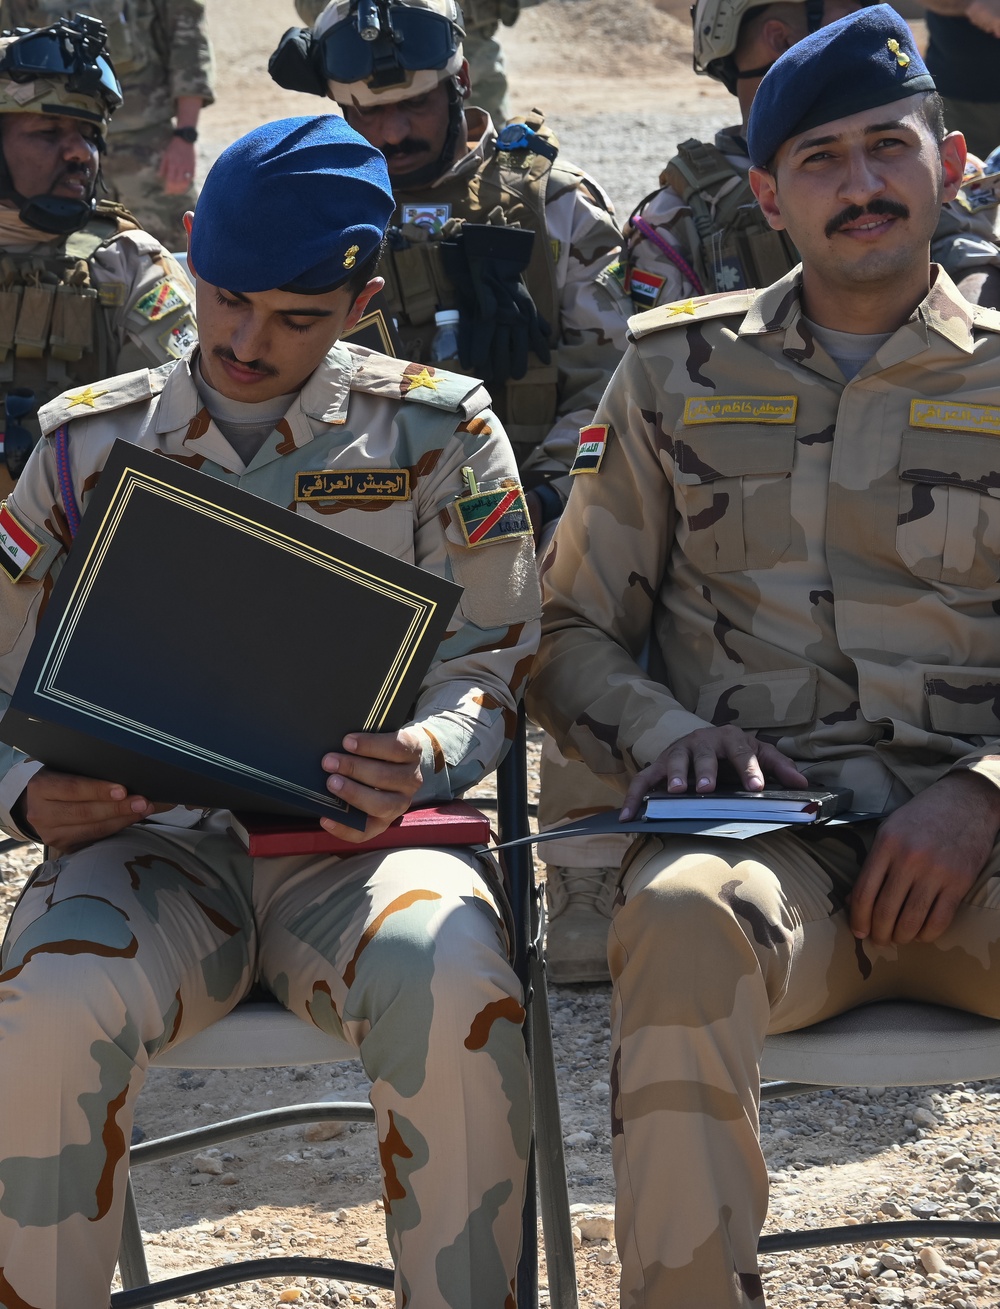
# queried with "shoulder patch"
point(100, 397)
point(681, 312)
point(400, 379)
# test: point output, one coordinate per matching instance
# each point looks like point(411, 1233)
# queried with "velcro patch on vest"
point(181, 338)
point(952, 416)
point(491, 516)
point(18, 548)
point(163, 299)
point(643, 287)
point(111, 294)
point(590, 451)
point(353, 484)
point(741, 409)
point(432, 217)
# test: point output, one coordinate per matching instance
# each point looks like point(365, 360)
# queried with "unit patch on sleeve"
point(181, 338)
point(590, 451)
point(353, 484)
point(18, 548)
point(160, 301)
point(491, 516)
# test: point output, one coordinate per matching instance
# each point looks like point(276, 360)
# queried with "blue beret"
point(296, 204)
point(859, 62)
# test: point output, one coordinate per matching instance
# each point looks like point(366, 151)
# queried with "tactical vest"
point(416, 284)
point(55, 326)
point(728, 240)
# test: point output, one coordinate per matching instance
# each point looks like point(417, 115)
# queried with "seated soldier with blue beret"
point(791, 497)
point(147, 924)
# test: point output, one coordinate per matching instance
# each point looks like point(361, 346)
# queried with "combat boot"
point(578, 905)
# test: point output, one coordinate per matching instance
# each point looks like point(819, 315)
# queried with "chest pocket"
point(733, 489)
point(948, 529)
point(387, 524)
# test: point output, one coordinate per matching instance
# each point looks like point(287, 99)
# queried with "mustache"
point(875, 207)
point(410, 145)
point(254, 365)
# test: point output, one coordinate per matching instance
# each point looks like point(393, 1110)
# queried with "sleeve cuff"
point(12, 787)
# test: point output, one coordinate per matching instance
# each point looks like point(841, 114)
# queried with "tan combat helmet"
point(717, 32)
point(62, 68)
point(373, 52)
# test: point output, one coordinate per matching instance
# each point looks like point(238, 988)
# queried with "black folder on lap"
point(203, 646)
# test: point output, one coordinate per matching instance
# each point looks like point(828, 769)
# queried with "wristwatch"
point(188, 134)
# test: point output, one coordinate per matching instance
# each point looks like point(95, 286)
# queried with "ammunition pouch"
point(730, 243)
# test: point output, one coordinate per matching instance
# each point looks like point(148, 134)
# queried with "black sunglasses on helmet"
point(70, 49)
point(381, 36)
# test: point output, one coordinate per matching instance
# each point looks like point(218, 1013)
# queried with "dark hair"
point(932, 112)
point(360, 277)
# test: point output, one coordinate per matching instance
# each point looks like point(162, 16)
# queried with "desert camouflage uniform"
point(118, 301)
point(160, 51)
point(966, 238)
point(138, 941)
point(818, 563)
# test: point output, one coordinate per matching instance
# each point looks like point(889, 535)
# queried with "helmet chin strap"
point(814, 21)
point(431, 172)
point(55, 215)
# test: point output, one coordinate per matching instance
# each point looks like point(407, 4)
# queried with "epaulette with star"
point(101, 397)
point(400, 379)
point(683, 312)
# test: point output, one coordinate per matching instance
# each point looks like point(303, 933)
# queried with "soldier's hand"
point(695, 758)
point(177, 165)
point(925, 857)
point(67, 812)
point(377, 772)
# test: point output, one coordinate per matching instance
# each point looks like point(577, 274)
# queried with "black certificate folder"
point(203, 646)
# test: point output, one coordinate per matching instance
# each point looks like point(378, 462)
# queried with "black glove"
point(499, 323)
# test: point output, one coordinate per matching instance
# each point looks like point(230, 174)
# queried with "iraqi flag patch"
point(643, 287)
point(18, 548)
point(490, 516)
point(590, 451)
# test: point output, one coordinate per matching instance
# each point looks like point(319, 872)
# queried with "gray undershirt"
point(848, 350)
point(245, 426)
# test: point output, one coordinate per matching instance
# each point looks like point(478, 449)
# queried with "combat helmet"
point(367, 53)
point(61, 69)
point(717, 32)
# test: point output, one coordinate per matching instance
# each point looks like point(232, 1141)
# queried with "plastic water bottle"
point(445, 343)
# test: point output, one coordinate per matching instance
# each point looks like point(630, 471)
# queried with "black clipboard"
point(203, 646)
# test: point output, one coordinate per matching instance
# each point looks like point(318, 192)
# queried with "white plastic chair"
point(890, 1043)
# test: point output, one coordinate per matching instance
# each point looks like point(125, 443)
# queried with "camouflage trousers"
point(118, 951)
point(713, 945)
point(131, 171)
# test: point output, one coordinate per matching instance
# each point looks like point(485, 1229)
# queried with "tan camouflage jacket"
point(160, 50)
point(966, 237)
point(358, 410)
point(813, 560)
point(593, 312)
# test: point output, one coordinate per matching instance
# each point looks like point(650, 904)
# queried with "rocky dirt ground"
point(619, 102)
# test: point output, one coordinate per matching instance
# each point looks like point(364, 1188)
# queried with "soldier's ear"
point(188, 221)
point(765, 188)
point(464, 80)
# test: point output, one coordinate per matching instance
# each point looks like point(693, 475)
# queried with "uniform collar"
point(943, 311)
point(323, 399)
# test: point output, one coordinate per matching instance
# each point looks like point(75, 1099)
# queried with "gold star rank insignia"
point(423, 378)
point(86, 397)
point(688, 307)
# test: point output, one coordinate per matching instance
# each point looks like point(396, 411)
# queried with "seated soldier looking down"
point(147, 924)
